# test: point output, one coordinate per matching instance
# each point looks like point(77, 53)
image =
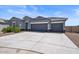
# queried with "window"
point(13, 23)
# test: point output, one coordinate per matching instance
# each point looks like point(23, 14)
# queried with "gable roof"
point(57, 18)
point(40, 19)
point(15, 18)
point(27, 18)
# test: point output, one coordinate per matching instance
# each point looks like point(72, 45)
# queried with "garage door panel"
point(39, 27)
point(57, 27)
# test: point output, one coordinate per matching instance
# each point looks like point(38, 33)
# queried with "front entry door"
point(26, 26)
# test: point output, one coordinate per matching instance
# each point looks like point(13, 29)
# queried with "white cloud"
point(34, 12)
point(72, 21)
point(23, 11)
point(20, 11)
point(77, 11)
point(34, 8)
point(59, 14)
point(10, 10)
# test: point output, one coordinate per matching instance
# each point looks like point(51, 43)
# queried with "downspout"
point(64, 25)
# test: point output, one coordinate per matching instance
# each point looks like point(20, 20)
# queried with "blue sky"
point(69, 11)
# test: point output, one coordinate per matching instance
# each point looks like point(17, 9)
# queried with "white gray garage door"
point(39, 27)
point(57, 27)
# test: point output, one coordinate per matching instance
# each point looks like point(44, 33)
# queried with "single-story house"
point(55, 24)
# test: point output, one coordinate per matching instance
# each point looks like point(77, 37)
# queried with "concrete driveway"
point(40, 42)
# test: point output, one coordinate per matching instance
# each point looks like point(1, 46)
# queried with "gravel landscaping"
point(4, 34)
point(74, 37)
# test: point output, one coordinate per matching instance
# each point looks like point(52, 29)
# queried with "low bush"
point(16, 29)
point(11, 29)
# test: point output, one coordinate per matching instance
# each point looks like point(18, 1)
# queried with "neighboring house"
point(3, 24)
point(55, 24)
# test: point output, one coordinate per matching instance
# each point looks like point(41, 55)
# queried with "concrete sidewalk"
point(40, 42)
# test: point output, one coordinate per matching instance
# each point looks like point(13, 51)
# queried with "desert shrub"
point(17, 29)
point(11, 29)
